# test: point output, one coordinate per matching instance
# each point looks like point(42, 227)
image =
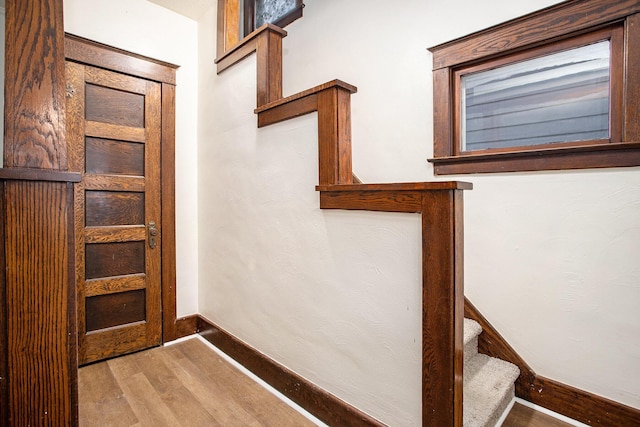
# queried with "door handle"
point(153, 232)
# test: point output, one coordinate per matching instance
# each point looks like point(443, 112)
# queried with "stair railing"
point(439, 203)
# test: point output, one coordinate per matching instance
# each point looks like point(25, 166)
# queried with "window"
point(237, 19)
point(546, 91)
point(277, 12)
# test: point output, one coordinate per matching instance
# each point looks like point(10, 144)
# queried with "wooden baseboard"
point(588, 408)
point(186, 326)
point(323, 405)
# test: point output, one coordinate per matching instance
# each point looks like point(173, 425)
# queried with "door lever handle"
point(153, 232)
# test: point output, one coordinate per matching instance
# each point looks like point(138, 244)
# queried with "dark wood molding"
point(29, 174)
point(578, 157)
point(570, 23)
point(532, 29)
point(79, 49)
point(246, 47)
point(323, 405)
point(168, 201)
point(564, 399)
point(186, 326)
point(4, 368)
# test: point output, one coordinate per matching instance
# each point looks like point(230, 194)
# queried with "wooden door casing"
point(114, 134)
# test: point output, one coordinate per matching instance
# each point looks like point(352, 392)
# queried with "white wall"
point(147, 29)
point(551, 257)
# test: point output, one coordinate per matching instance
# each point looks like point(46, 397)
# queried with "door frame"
point(87, 52)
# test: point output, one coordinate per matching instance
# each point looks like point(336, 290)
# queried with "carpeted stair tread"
point(488, 389)
point(471, 331)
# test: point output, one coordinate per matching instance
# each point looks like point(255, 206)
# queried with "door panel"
point(114, 130)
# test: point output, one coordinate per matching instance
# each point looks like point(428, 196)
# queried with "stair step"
point(488, 389)
point(471, 331)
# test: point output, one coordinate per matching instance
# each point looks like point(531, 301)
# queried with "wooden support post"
point(334, 136)
point(269, 67)
point(443, 308)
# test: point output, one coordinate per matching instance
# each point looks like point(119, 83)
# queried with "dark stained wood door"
point(114, 132)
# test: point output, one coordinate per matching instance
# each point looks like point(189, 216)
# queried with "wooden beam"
point(34, 85)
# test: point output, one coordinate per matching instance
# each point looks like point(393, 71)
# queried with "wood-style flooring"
point(523, 416)
point(189, 384)
point(185, 384)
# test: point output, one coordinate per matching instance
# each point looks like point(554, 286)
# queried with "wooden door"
point(114, 132)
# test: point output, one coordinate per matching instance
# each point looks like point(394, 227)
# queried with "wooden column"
point(442, 308)
point(38, 354)
point(334, 136)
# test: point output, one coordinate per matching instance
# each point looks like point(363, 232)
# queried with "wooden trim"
point(532, 29)
point(588, 408)
point(403, 186)
point(26, 174)
point(34, 91)
point(168, 209)
point(543, 30)
point(4, 368)
point(90, 52)
point(623, 154)
point(382, 201)
point(323, 405)
point(246, 47)
point(442, 308)
point(564, 399)
point(306, 93)
point(269, 67)
point(186, 326)
point(632, 79)
point(334, 136)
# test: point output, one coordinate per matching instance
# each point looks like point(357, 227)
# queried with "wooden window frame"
point(552, 29)
point(250, 16)
point(230, 15)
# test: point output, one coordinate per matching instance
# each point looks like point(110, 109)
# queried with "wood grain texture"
point(534, 28)
point(334, 136)
point(106, 156)
point(269, 67)
point(117, 132)
point(318, 402)
point(108, 105)
point(168, 212)
point(442, 126)
point(382, 201)
point(113, 183)
point(39, 292)
point(28, 174)
point(123, 233)
point(523, 416)
point(79, 49)
point(305, 93)
point(186, 326)
point(105, 208)
point(295, 108)
point(34, 64)
point(129, 282)
point(115, 309)
point(597, 156)
point(4, 369)
point(245, 47)
point(186, 384)
point(442, 308)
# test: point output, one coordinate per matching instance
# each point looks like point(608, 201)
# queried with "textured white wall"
point(551, 257)
point(147, 29)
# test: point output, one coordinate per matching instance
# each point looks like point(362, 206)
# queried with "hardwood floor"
point(523, 416)
point(185, 384)
point(188, 384)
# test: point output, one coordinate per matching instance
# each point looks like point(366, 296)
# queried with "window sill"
point(580, 157)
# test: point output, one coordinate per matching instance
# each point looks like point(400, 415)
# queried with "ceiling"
point(190, 8)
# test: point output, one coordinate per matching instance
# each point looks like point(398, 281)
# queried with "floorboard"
point(523, 416)
point(185, 384)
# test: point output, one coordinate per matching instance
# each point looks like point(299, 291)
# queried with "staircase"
point(489, 383)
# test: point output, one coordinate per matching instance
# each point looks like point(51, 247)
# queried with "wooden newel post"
point(443, 308)
point(38, 364)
